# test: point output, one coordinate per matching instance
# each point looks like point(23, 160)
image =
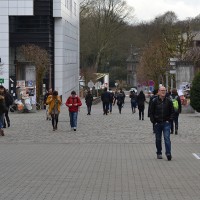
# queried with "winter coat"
point(120, 98)
point(88, 99)
point(73, 103)
point(105, 97)
point(150, 102)
point(140, 101)
point(8, 99)
point(161, 111)
point(51, 101)
point(3, 107)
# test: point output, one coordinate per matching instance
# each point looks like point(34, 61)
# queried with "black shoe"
point(142, 118)
point(74, 129)
point(159, 156)
point(8, 124)
point(176, 132)
point(172, 132)
point(169, 157)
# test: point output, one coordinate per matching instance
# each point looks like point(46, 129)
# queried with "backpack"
point(175, 103)
point(120, 99)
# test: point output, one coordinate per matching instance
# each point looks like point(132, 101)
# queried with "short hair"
point(55, 93)
point(174, 91)
point(73, 92)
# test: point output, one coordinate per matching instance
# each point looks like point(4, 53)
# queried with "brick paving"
point(108, 158)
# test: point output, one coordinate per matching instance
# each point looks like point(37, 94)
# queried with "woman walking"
point(54, 103)
point(140, 101)
point(88, 101)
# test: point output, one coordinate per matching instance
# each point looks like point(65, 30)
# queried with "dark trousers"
point(6, 119)
point(120, 107)
point(105, 107)
point(175, 122)
point(141, 113)
point(89, 108)
point(54, 120)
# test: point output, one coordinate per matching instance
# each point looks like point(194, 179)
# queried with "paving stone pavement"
point(108, 158)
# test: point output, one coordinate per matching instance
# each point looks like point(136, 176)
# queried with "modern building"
point(50, 24)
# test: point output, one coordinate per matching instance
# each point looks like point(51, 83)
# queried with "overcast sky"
point(146, 10)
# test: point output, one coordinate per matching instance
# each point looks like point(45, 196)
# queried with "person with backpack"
point(120, 97)
point(133, 98)
point(88, 101)
point(105, 98)
point(161, 114)
point(73, 103)
point(177, 108)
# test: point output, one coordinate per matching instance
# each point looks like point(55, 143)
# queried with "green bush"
point(195, 93)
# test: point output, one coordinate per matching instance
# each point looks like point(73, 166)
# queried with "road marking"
point(196, 155)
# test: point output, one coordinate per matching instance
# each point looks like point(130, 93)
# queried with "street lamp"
point(172, 63)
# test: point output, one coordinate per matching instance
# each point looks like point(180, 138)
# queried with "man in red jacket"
point(73, 102)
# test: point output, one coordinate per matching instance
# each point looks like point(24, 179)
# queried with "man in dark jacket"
point(161, 114)
point(105, 98)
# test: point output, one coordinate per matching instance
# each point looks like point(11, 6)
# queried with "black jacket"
point(88, 99)
point(161, 111)
point(150, 102)
point(105, 97)
point(141, 100)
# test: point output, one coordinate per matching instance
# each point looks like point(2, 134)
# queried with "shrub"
point(195, 93)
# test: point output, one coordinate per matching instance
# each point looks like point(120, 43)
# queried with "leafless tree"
point(40, 58)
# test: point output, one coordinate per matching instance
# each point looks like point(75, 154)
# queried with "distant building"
point(50, 24)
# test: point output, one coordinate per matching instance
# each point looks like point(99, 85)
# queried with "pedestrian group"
point(163, 110)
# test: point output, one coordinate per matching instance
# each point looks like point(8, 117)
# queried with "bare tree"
point(102, 21)
point(40, 58)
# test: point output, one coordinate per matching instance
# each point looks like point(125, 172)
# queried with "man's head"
point(73, 93)
point(55, 93)
point(50, 90)
point(162, 92)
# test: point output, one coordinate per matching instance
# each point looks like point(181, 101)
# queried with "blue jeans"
point(1, 120)
point(73, 119)
point(175, 121)
point(110, 107)
point(165, 128)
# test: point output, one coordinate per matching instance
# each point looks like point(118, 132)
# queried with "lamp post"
point(172, 70)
